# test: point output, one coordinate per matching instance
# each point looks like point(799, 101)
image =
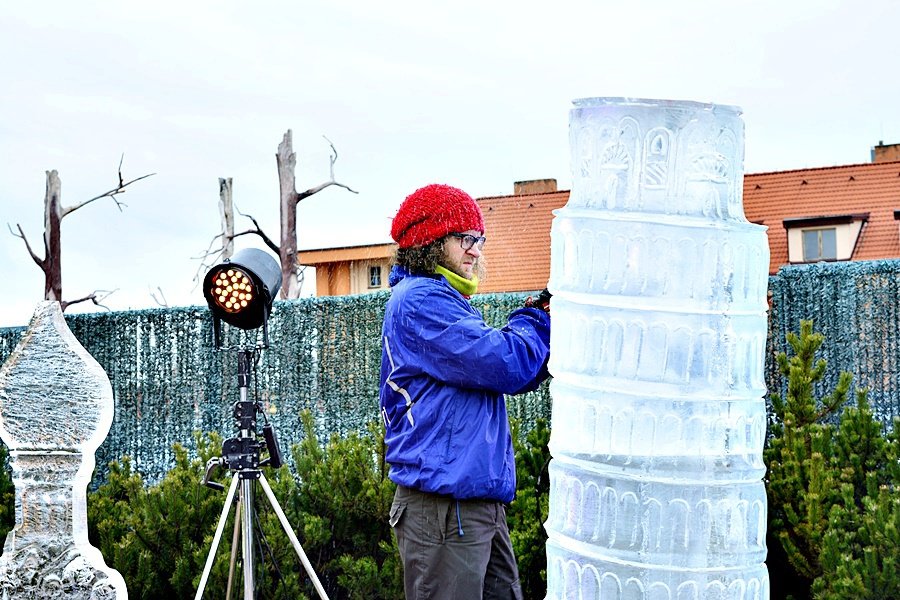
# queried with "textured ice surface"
point(56, 407)
point(657, 351)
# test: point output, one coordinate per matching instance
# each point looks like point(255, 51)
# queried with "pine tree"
point(800, 486)
point(528, 512)
point(861, 546)
point(834, 508)
point(342, 504)
point(157, 537)
point(7, 494)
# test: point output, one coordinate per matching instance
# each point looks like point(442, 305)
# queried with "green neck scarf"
point(466, 287)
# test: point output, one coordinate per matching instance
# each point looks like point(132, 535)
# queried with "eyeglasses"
point(466, 241)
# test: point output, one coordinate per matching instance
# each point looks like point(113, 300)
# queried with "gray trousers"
point(454, 549)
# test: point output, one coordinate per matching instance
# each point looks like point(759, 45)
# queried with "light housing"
point(241, 290)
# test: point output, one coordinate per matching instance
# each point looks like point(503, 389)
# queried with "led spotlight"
point(241, 290)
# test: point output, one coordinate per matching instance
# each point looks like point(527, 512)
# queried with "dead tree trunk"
point(291, 273)
point(51, 264)
point(54, 212)
point(287, 161)
point(226, 209)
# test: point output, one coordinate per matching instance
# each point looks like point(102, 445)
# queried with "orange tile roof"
point(874, 188)
point(517, 251)
point(347, 253)
point(518, 227)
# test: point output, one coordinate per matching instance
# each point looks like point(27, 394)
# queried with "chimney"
point(534, 186)
point(882, 153)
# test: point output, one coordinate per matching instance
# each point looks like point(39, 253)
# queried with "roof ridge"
point(830, 168)
point(523, 195)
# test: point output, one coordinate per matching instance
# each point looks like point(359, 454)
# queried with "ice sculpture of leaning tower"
point(659, 331)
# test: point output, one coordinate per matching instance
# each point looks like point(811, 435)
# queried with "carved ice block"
point(657, 355)
point(56, 408)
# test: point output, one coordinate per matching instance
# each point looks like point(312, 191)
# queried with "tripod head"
point(242, 454)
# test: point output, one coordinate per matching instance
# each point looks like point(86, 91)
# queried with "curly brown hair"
point(421, 259)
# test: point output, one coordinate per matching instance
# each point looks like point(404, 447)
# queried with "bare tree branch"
point(330, 182)
point(120, 189)
point(301, 275)
point(54, 213)
point(161, 301)
point(204, 265)
point(291, 271)
point(93, 297)
point(320, 187)
point(209, 249)
point(41, 263)
point(257, 230)
point(269, 243)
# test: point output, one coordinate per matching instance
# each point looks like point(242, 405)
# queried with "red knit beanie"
point(431, 212)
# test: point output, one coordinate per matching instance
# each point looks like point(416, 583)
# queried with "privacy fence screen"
point(169, 381)
point(324, 355)
point(855, 306)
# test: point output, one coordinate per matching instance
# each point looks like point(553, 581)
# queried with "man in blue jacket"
point(444, 373)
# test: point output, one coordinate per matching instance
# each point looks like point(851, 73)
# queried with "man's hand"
point(542, 301)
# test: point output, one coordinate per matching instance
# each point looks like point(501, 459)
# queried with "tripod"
point(241, 455)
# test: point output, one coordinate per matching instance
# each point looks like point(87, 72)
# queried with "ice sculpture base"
point(587, 577)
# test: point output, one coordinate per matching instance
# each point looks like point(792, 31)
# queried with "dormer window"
point(827, 238)
point(819, 244)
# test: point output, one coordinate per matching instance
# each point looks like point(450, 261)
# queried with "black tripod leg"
point(291, 536)
point(212, 551)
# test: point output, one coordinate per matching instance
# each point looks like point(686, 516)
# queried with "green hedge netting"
point(855, 306)
point(325, 354)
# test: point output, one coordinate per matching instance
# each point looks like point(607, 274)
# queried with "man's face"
point(462, 262)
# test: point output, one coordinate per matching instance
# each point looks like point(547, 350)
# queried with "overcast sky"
point(471, 93)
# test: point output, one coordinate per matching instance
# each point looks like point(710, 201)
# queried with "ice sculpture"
point(659, 330)
point(56, 407)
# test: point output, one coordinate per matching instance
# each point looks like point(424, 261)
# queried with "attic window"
point(825, 238)
point(819, 244)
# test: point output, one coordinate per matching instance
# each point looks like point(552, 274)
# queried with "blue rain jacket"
point(443, 376)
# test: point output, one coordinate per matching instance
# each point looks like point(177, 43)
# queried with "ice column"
point(659, 330)
point(56, 407)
